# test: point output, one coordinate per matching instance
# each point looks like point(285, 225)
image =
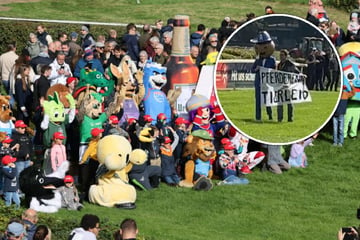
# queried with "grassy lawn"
point(302, 203)
point(239, 107)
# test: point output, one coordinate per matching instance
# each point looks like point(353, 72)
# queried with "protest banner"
point(279, 87)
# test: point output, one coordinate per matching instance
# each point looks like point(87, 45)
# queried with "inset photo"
point(278, 79)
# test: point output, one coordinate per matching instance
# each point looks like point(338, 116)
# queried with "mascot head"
point(350, 61)
point(124, 77)
point(92, 105)
point(54, 108)
point(154, 76)
point(5, 110)
point(264, 45)
point(62, 91)
point(116, 158)
point(199, 146)
point(95, 78)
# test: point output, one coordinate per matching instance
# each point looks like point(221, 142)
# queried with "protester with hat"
point(88, 62)
point(69, 195)
point(57, 151)
point(25, 147)
point(15, 230)
point(11, 183)
point(264, 48)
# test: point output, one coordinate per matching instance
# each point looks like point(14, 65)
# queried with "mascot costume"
point(6, 116)
point(93, 81)
point(350, 61)
point(198, 152)
point(131, 90)
point(155, 100)
point(114, 153)
point(264, 48)
point(40, 190)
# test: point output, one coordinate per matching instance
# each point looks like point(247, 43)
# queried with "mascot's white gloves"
point(45, 122)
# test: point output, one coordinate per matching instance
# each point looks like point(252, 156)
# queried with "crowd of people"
point(27, 228)
point(47, 61)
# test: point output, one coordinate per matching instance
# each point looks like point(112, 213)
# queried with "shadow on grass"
point(248, 120)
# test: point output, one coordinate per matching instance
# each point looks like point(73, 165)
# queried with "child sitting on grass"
point(69, 195)
point(298, 157)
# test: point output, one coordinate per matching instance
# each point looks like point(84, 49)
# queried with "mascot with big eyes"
point(6, 116)
point(55, 117)
point(115, 156)
point(40, 189)
point(264, 48)
point(155, 100)
point(350, 61)
point(198, 152)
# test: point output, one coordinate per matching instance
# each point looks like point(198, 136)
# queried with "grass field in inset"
point(239, 107)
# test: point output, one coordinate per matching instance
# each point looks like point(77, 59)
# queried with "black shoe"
point(126, 205)
point(203, 183)
point(79, 208)
point(290, 120)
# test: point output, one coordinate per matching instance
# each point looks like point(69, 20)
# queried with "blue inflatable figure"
point(155, 100)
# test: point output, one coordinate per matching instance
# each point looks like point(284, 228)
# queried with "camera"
point(349, 233)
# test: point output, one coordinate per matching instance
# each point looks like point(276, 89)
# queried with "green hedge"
point(19, 31)
point(347, 5)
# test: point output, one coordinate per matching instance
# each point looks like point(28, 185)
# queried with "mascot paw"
point(126, 205)
point(30, 131)
point(186, 184)
point(2, 136)
point(203, 183)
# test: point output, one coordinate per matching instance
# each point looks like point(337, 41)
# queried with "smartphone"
point(346, 230)
point(62, 67)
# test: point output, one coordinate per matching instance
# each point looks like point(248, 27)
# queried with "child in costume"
point(58, 151)
point(69, 195)
point(11, 184)
point(298, 157)
point(168, 170)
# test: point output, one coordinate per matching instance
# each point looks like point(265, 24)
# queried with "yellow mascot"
point(113, 190)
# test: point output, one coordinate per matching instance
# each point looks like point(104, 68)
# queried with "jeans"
point(172, 179)
point(338, 129)
point(235, 180)
point(21, 165)
point(12, 196)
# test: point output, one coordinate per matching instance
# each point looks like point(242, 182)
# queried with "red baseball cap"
point(7, 159)
point(96, 131)
point(181, 120)
point(161, 116)
point(147, 118)
point(58, 135)
point(225, 141)
point(167, 140)
point(70, 80)
point(7, 140)
point(131, 120)
point(20, 124)
point(114, 119)
point(229, 146)
point(68, 179)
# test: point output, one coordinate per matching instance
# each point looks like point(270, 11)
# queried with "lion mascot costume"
point(198, 152)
